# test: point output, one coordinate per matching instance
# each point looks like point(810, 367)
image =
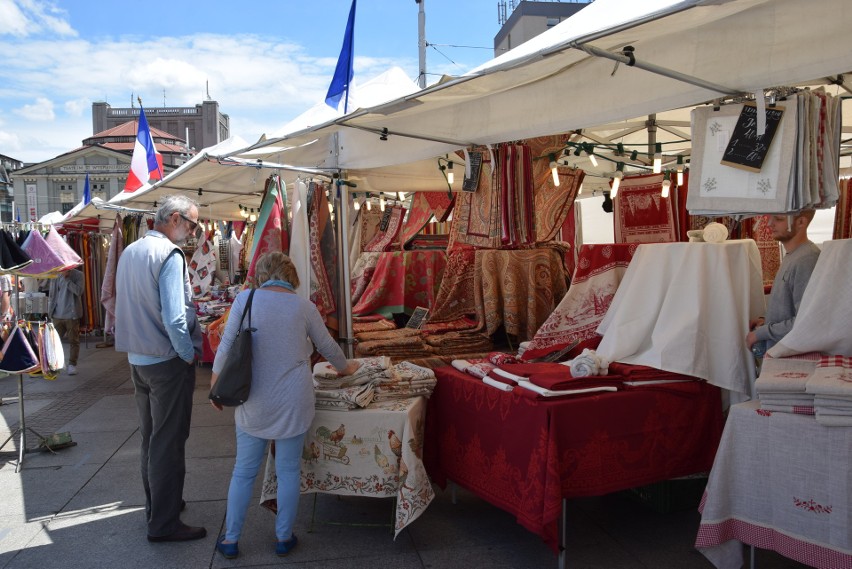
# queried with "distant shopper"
point(155, 324)
point(789, 285)
point(6, 288)
point(281, 405)
point(65, 308)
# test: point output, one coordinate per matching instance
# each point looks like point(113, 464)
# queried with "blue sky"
point(266, 61)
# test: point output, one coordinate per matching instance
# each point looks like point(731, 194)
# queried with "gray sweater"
point(787, 290)
point(281, 403)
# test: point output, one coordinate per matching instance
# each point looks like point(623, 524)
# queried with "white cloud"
point(30, 17)
point(41, 110)
point(76, 107)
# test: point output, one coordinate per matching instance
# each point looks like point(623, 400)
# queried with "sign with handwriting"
point(746, 149)
point(417, 317)
point(470, 184)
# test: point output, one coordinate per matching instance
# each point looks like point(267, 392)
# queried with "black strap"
point(247, 309)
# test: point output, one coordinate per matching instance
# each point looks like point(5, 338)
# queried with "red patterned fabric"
point(418, 217)
point(449, 326)
point(270, 233)
point(552, 203)
point(323, 259)
point(455, 298)
point(770, 251)
point(476, 221)
point(518, 225)
point(385, 237)
point(524, 455)
point(642, 215)
point(599, 271)
point(568, 235)
point(369, 219)
point(362, 274)
point(440, 203)
point(843, 211)
point(403, 280)
point(517, 289)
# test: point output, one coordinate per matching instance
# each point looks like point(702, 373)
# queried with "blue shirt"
point(172, 312)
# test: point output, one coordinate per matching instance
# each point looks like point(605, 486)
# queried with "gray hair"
point(174, 203)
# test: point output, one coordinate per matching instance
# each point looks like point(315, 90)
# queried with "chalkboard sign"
point(417, 318)
point(385, 221)
point(747, 150)
point(475, 161)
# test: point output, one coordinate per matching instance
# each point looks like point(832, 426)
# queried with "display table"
point(525, 455)
point(402, 281)
point(685, 308)
point(376, 452)
point(780, 481)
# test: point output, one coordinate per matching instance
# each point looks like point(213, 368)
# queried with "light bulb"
point(593, 160)
point(450, 177)
point(369, 204)
point(616, 180)
point(680, 171)
point(658, 159)
point(252, 216)
point(330, 208)
point(356, 204)
point(667, 184)
point(553, 171)
point(382, 202)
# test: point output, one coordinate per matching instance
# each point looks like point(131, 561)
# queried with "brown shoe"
point(182, 533)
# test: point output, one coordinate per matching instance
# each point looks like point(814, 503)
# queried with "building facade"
point(8, 165)
point(200, 126)
point(529, 19)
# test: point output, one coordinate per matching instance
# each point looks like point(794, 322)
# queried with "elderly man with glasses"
point(155, 324)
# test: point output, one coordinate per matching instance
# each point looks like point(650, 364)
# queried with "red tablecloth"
point(525, 455)
point(402, 281)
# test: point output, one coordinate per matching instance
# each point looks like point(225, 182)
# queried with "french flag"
point(146, 163)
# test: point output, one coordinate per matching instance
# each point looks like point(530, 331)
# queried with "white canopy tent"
point(558, 82)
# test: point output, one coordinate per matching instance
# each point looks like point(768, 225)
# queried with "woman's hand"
point(213, 378)
point(351, 367)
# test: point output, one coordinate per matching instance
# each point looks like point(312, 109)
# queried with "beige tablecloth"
point(685, 308)
point(377, 451)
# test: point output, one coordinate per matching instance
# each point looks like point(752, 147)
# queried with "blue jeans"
point(250, 454)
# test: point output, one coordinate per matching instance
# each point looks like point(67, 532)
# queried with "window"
point(552, 22)
point(66, 207)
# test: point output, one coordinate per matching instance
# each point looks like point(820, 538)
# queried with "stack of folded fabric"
point(477, 367)
point(409, 380)
point(372, 370)
point(462, 323)
point(345, 399)
point(399, 344)
point(545, 380)
point(831, 387)
point(389, 335)
point(782, 384)
point(459, 342)
point(373, 325)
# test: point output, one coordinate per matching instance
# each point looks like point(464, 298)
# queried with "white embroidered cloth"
point(780, 481)
point(377, 451)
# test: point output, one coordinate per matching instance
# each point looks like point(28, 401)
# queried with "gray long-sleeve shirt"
point(281, 403)
point(787, 290)
point(66, 292)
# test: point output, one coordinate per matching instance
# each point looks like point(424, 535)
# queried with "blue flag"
point(87, 193)
point(343, 73)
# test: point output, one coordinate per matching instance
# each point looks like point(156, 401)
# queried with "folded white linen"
point(498, 384)
point(796, 409)
point(833, 420)
point(831, 380)
point(714, 232)
point(509, 375)
point(460, 365)
point(784, 375)
point(787, 399)
point(557, 393)
point(588, 363)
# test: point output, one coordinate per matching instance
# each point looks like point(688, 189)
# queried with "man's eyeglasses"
point(193, 225)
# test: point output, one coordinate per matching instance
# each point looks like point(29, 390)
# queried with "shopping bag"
point(233, 385)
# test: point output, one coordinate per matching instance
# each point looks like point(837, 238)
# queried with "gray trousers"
point(164, 401)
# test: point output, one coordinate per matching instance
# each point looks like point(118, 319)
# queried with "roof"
point(129, 128)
